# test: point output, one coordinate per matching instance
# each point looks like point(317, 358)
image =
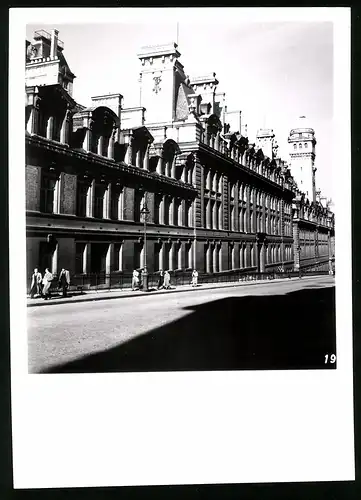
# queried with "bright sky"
point(273, 72)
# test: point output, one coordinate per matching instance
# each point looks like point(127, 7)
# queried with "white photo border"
point(132, 429)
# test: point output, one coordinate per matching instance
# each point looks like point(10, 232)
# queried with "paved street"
point(286, 325)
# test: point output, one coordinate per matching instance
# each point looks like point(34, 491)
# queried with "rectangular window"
point(48, 194)
point(98, 201)
point(81, 198)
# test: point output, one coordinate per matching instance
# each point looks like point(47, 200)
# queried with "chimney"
point(54, 44)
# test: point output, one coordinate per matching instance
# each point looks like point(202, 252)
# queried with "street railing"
point(119, 280)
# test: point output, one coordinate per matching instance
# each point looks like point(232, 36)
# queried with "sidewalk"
point(126, 293)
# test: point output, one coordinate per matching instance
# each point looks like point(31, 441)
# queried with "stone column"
point(161, 209)
point(129, 153)
point(160, 166)
point(138, 161)
point(208, 214)
point(146, 158)
point(108, 263)
point(64, 132)
point(107, 202)
point(161, 257)
point(172, 212)
point(87, 139)
point(171, 256)
point(54, 260)
point(90, 199)
point(56, 200)
point(50, 127)
point(86, 258)
point(33, 122)
point(110, 152)
point(173, 167)
point(100, 145)
point(209, 258)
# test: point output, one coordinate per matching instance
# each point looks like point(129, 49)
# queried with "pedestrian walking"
point(160, 280)
point(195, 277)
point(166, 281)
point(47, 279)
point(135, 280)
point(64, 281)
point(141, 278)
point(35, 287)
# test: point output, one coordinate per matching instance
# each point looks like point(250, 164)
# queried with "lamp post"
point(145, 212)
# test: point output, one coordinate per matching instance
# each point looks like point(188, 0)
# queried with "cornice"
point(95, 159)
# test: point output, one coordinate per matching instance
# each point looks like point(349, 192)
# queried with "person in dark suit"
point(64, 281)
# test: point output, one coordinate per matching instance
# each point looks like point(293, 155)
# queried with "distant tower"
point(302, 150)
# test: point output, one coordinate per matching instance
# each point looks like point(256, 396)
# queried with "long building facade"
point(216, 201)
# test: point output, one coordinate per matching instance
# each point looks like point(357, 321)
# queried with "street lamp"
point(145, 212)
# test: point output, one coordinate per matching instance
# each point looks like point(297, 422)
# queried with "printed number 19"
point(330, 359)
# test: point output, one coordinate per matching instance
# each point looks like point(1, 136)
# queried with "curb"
point(177, 290)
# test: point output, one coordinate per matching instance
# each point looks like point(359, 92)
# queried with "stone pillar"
point(86, 258)
point(209, 258)
point(87, 140)
point(110, 152)
point(184, 173)
point(208, 213)
point(54, 260)
point(90, 199)
point(64, 132)
point(107, 202)
point(146, 158)
point(129, 153)
point(108, 263)
point(162, 209)
point(50, 127)
point(100, 145)
point(160, 166)
point(171, 256)
point(173, 167)
point(33, 121)
point(139, 162)
point(172, 212)
point(56, 201)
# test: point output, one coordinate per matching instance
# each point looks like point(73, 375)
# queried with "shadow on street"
point(291, 331)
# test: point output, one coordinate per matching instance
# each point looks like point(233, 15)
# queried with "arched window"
point(295, 146)
point(300, 145)
point(306, 145)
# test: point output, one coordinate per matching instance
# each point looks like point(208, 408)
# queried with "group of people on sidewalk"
point(40, 284)
point(163, 279)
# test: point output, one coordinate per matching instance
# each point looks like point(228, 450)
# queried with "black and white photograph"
point(183, 189)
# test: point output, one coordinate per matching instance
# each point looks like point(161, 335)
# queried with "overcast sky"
point(273, 72)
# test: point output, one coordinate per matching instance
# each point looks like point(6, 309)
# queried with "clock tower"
point(302, 151)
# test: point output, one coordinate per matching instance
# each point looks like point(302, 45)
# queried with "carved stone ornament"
point(157, 80)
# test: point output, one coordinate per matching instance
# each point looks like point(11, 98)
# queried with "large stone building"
point(217, 201)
